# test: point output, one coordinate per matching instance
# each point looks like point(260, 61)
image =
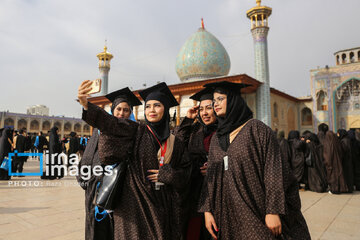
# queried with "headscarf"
point(54, 137)
point(161, 129)
point(237, 113)
point(323, 128)
point(342, 133)
point(117, 101)
point(293, 135)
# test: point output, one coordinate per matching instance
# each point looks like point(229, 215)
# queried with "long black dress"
point(193, 136)
point(93, 229)
point(316, 172)
point(5, 149)
point(257, 182)
point(297, 158)
point(54, 148)
point(355, 152)
point(142, 211)
point(333, 162)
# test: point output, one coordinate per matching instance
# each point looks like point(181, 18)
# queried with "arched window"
point(67, 127)
point(46, 126)
point(9, 122)
point(337, 60)
point(306, 116)
point(352, 57)
point(22, 123)
point(321, 101)
point(275, 110)
point(86, 128)
point(58, 125)
point(77, 128)
point(343, 58)
point(34, 125)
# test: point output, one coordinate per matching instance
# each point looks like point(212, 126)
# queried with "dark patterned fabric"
point(93, 229)
point(142, 211)
point(256, 183)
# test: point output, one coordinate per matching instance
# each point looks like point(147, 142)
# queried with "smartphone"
point(96, 86)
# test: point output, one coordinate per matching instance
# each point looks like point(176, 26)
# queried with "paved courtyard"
point(31, 208)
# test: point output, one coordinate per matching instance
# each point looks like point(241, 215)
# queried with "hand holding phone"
point(84, 91)
point(95, 86)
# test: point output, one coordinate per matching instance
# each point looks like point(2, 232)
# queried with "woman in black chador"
point(54, 167)
point(5, 149)
point(347, 162)
point(316, 169)
point(297, 156)
point(250, 191)
point(155, 186)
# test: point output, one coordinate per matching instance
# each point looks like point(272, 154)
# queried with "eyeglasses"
point(218, 100)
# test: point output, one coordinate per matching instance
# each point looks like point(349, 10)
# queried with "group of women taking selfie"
point(219, 175)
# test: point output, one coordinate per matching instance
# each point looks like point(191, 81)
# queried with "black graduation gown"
point(193, 136)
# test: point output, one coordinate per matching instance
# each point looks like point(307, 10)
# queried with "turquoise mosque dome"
point(202, 56)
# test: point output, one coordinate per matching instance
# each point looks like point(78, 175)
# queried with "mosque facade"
point(203, 59)
point(43, 123)
point(336, 91)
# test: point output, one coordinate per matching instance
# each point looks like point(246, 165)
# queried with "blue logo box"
point(15, 153)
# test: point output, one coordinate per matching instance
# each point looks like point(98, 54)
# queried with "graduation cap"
point(204, 94)
point(227, 85)
point(159, 92)
point(125, 94)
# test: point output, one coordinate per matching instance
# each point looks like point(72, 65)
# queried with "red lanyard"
point(163, 150)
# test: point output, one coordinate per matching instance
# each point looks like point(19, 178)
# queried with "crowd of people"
point(220, 174)
point(325, 161)
point(23, 142)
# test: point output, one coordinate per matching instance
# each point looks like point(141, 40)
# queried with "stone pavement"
point(31, 208)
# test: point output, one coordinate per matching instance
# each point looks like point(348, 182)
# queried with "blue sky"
point(49, 46)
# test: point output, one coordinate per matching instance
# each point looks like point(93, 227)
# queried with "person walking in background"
point(314, 159)
point(5, 148)
point(297, 156)
point(347, 162)
point(332, 156)
point(21, 145)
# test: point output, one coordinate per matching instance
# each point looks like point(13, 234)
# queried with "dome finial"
point(202, 23)
point(105, 46)
point(258, 2)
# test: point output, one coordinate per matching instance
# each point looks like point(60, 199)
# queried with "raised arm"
point(186, 127)
point(99, 118)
